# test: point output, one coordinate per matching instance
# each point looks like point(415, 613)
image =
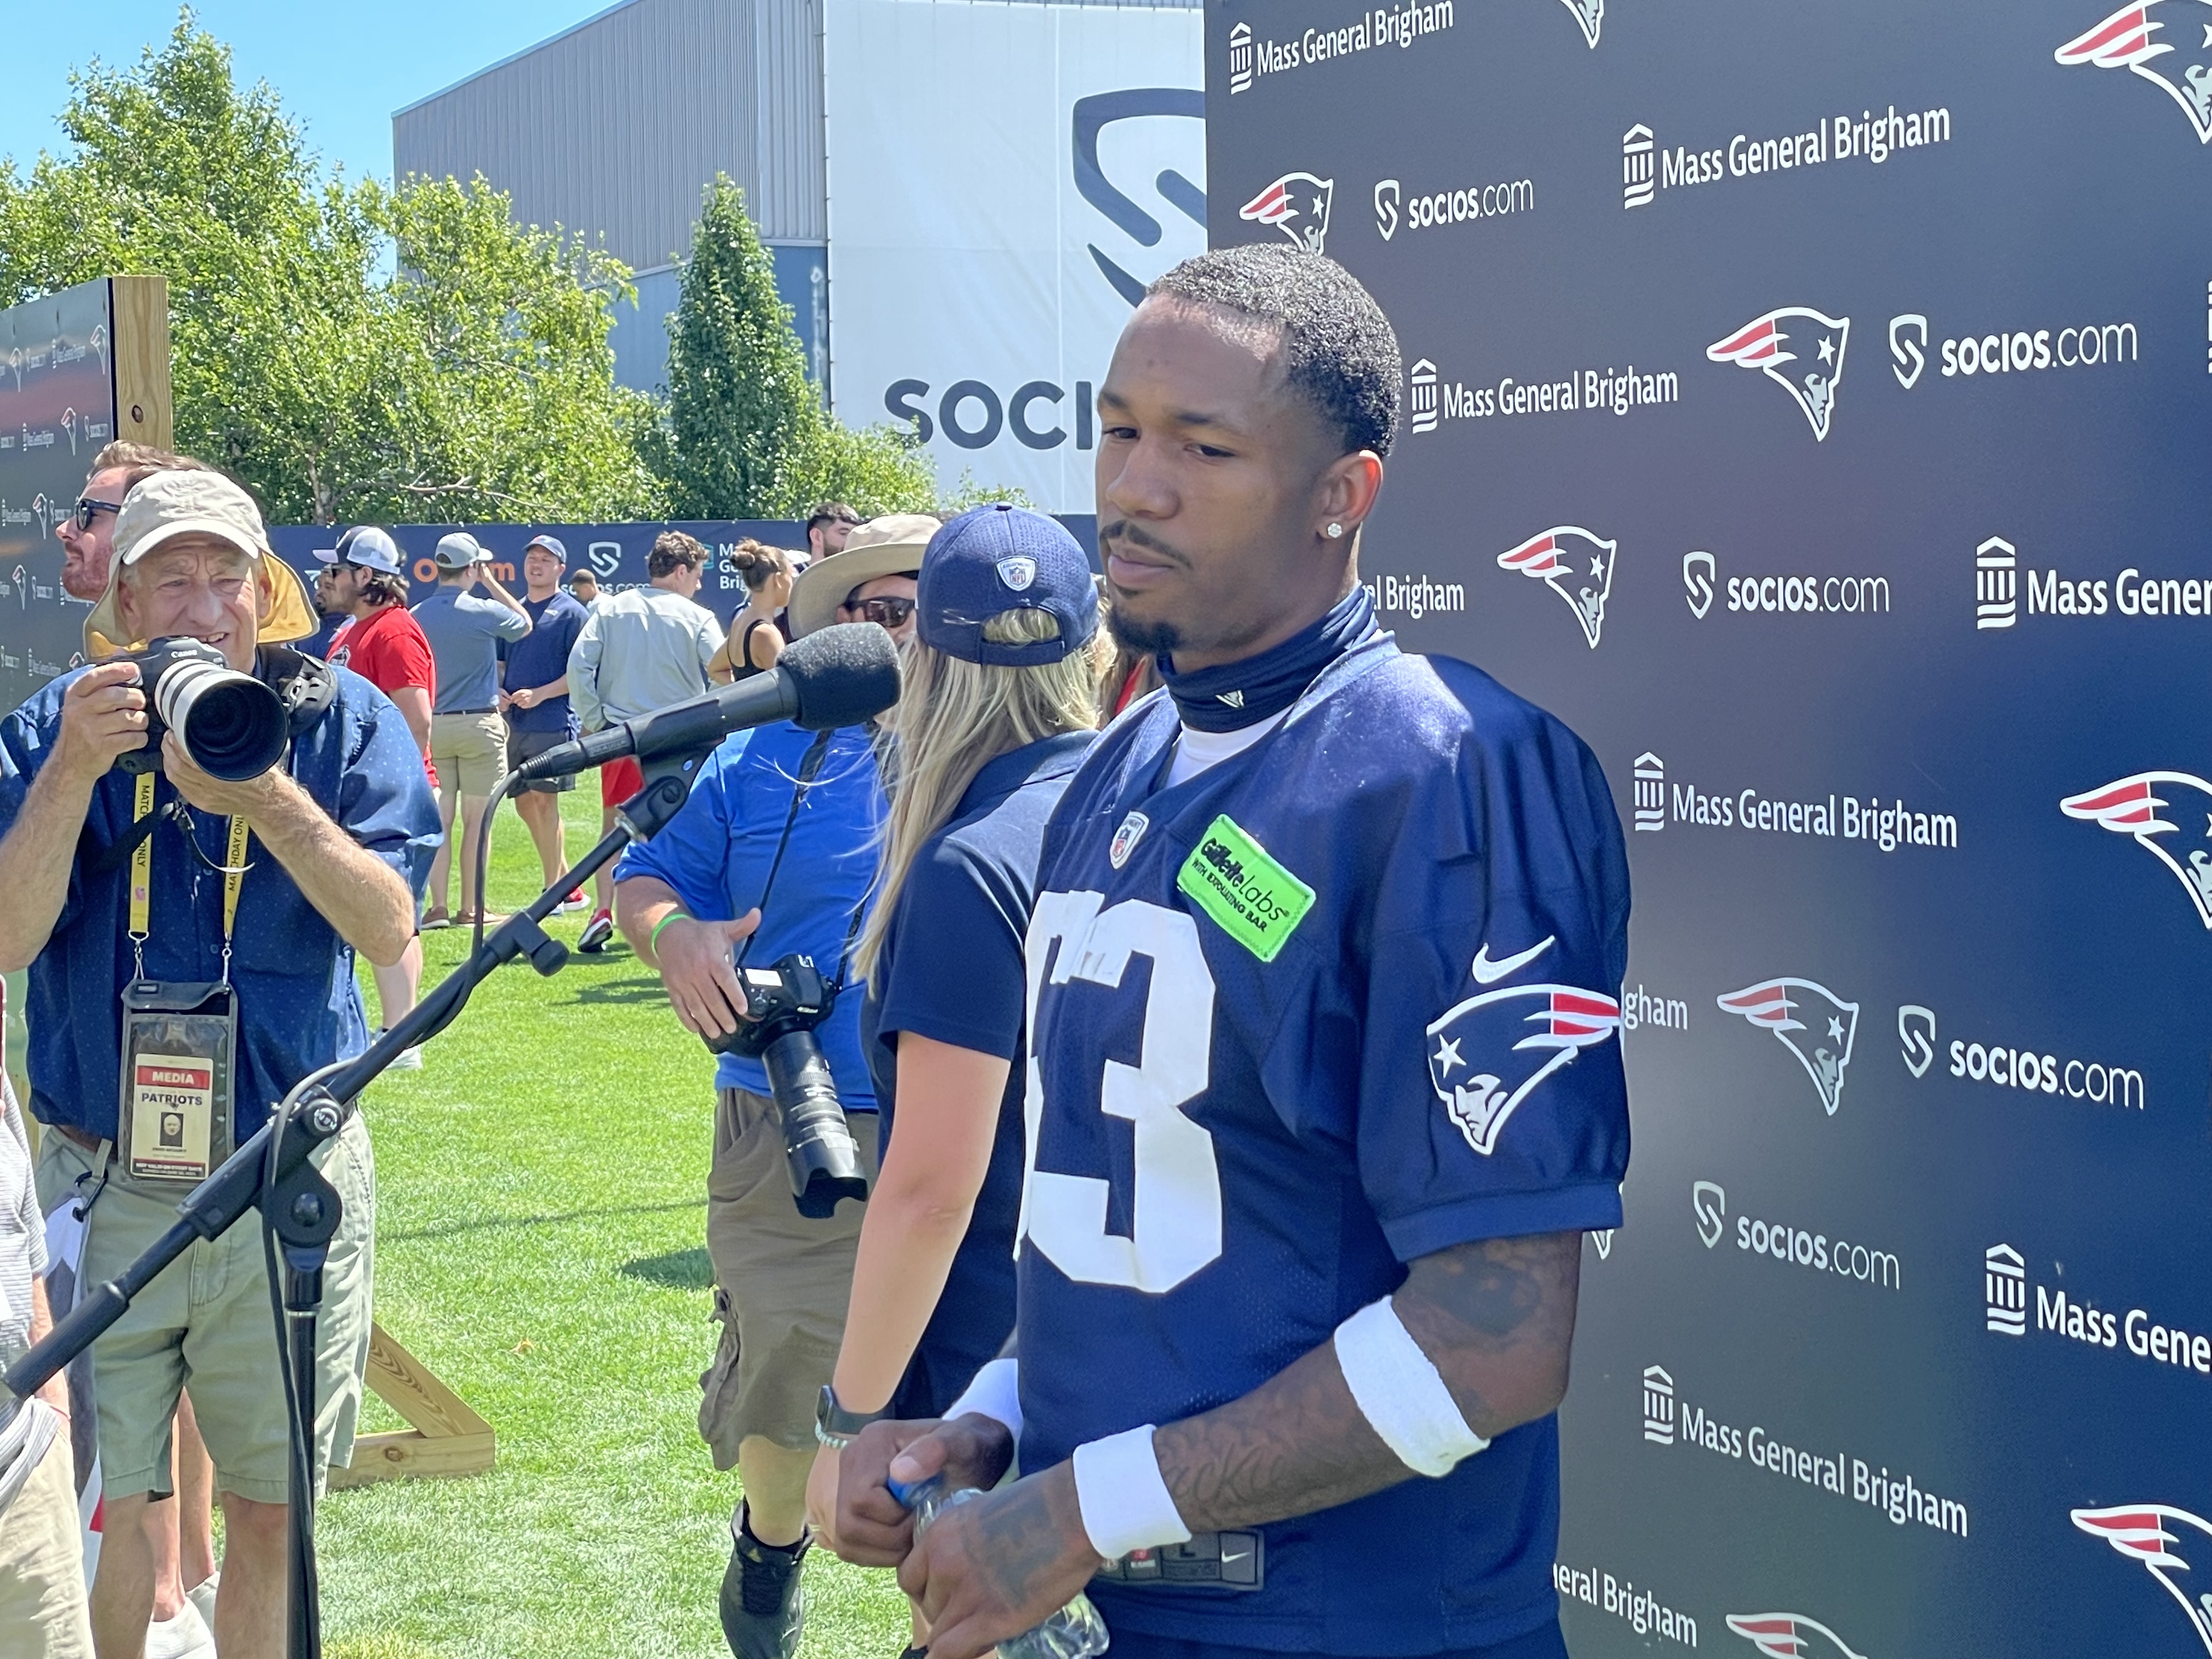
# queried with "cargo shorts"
point(204, 1323)
point(781, 1282)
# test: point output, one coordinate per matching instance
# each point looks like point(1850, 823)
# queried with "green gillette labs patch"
point(1257, 901)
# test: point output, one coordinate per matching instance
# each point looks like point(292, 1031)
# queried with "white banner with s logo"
point(1004, 180)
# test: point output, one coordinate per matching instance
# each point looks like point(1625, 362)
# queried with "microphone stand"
point(301, 1210)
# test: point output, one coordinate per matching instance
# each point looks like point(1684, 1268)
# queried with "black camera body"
point(234, 726)
point(784, 1004)
point(789, 996)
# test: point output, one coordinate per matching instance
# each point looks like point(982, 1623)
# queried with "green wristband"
point(652, 939)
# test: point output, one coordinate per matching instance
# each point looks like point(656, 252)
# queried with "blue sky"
point(341, 71)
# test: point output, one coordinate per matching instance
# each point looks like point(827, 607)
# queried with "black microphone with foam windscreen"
point(836, 676)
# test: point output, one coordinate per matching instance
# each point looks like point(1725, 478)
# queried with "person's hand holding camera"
point(254, 798)
point(698, 968)
point(103, 716)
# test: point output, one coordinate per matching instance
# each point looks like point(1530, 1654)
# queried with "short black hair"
point(1340, 351)
point(831, 512)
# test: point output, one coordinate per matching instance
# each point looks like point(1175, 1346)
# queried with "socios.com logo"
point(1709, 1203)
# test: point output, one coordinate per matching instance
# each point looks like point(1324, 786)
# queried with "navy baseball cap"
point(551, 543)
point(997, 558)
point(367, 546)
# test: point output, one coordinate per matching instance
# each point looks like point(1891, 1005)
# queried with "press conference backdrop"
point(1810, 405)
point(57, 409)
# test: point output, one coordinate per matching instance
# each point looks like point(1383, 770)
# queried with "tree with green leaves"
point(349, 351)
point(745, 435)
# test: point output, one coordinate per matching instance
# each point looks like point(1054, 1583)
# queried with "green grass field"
point(540, 1246)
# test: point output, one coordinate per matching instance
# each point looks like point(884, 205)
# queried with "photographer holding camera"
point(773, 856)
point(196, 838)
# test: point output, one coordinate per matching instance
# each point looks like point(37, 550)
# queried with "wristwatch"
point(834, 1425)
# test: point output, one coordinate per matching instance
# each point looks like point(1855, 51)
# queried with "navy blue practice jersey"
point(1343, 1000)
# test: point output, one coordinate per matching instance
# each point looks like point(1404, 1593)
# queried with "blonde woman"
point(754, 641)
point(998, 707)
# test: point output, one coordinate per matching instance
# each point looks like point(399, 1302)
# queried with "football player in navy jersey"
point(1323, 1085)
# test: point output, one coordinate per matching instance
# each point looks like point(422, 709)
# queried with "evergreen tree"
point(745, 435)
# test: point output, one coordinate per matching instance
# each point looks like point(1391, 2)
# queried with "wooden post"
point(144, 412)
point(449, 1438)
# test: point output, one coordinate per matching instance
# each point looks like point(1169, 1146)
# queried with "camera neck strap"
point(810, 768)
point(142, 876)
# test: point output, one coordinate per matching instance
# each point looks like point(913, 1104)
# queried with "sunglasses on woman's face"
point(87, 508)
point(884, 613)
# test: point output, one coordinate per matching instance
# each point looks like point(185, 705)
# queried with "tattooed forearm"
point(1495, 1318)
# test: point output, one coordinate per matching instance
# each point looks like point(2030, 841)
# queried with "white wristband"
point(995, 1392)
point(1124, 1499)
point(1400, 1393)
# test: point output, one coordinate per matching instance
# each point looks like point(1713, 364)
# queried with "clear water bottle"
point(1075, 1632)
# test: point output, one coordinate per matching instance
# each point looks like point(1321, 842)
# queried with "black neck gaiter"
point(1240, 694)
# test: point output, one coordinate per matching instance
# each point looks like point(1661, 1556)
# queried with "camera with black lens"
point(234, 726)
point(784, 1004)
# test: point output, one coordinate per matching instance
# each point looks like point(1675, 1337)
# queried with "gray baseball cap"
point(458, 551)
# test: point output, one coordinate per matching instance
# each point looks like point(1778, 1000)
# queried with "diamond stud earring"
point(1336, 531)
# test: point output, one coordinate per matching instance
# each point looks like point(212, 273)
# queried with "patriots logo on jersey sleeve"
point(1521, 1035)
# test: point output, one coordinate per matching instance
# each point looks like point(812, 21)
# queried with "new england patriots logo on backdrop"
point(1568, 557)
point(1793, 335)
point(2147, 1533)
point(2130, 39)
point(2130, 807)
point(1789, 1635)
point(1829, 1025)
point(1297, 205)
point(1590, 14)
point(1487, 1054)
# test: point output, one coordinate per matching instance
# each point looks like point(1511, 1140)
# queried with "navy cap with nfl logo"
point(997, 558)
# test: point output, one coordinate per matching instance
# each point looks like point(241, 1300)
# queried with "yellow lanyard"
point(141, 878)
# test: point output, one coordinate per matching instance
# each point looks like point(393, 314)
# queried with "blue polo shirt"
point(299, 1006)
point(716, 851)
point(541, 657)
point(466, 633)
point(950, 970)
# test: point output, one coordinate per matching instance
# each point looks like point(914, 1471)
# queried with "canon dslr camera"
point(784, 1004)
point(234, 726)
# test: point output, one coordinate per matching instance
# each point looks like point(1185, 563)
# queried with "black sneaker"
point(764, 1608)
point(597, 932)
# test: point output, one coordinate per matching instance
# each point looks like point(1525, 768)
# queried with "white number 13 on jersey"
point(1175, 1210)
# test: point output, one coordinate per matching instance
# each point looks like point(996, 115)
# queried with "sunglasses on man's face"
point(87, 509)
point(884, 613)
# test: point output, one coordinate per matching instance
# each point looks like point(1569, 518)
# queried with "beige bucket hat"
point(889, 546)
point(205, 503)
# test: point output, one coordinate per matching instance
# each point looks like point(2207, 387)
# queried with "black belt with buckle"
point(1222, 1560)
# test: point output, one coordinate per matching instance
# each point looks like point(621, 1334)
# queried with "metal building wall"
point(615, 127)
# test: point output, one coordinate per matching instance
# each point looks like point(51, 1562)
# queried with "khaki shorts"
point(781, 1282)
point(205, 1322)
point(42, 1605)
point(469, 751)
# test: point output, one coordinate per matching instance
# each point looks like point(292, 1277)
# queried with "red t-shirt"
point(389, 651)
